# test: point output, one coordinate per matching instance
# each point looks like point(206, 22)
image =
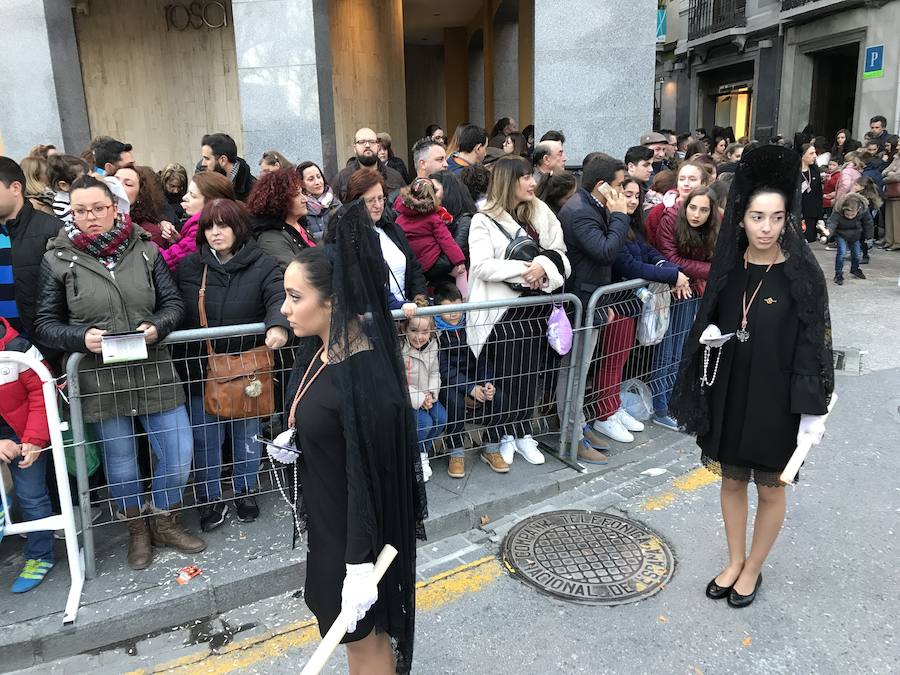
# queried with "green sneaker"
point(32, 574)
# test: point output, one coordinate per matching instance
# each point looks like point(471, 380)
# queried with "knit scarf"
point(315, 205)
point(107, 247)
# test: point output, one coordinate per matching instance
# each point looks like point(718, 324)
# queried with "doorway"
point(733, 109)
point(833, 97)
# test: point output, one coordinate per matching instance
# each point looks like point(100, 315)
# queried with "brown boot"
point(165, 530)
point(140, 549)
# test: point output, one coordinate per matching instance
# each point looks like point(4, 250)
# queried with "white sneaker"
point(628, 421)
point(614, 429)
point(508, 449)
point(426, 467)
point(528, 448)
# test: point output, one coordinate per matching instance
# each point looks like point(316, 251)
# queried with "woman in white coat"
point(513, 341)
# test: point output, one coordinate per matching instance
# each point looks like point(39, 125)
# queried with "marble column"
point(282, 78)
point(43, 97)
point(506, 70)
point(594, 65)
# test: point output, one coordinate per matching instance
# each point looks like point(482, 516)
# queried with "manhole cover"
point(593, 558)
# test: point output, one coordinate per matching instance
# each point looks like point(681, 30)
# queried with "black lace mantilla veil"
point(775, 167)
point(385, 483)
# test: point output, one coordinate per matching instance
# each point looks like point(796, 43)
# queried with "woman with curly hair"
point(147, 201)
point(278, 205)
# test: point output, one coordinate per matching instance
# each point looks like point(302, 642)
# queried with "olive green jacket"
point(78, 293)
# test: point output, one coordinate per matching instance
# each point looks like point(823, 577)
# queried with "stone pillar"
point(594, 65)
point(285, 102)
point(476, 87)
point(506, 70)
point(43, 97)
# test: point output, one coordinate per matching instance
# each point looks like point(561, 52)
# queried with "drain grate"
point(588, 557)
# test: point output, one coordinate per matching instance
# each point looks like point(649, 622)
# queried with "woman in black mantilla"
point(750, 397)
point(360, 478)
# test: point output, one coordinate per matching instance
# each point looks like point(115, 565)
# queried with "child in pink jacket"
point(424, 222)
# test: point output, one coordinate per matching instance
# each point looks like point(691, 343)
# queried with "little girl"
point(423, 376)
point(424, 222)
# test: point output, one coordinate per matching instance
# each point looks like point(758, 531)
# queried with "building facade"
point(300, 76)
point(772, 67)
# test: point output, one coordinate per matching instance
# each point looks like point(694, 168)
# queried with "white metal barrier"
point(66, 520)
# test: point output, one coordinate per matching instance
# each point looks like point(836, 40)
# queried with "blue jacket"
point(639, 260)
point(594, 239)
point(460, 370)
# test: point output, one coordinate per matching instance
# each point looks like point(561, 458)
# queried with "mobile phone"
point(605, 189)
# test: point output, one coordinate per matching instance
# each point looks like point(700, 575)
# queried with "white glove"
point(359, 593)
point(812, 428)
point(282, 449)
point(713, 337)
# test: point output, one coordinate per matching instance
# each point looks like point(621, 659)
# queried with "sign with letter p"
point(874, 64)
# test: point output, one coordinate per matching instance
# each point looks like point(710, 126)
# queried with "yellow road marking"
point(690, 482)
point(436, 592)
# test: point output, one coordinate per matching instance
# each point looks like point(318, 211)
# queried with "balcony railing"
point(706, 17)
point(787, 5)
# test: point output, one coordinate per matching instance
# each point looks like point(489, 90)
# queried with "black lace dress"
point(762, 385)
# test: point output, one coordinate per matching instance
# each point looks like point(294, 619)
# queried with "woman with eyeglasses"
point(103, 275)
point(435, 133)
point(406, 280)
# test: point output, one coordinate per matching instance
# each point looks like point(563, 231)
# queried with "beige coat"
point(489, 270)
point(423, 375)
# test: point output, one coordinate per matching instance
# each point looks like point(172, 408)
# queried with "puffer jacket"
point(423, 374)
point(426, 232)
point(21, 390)
point(249, 288)
point(78, 293)
point(280, 240)
point(861, 227)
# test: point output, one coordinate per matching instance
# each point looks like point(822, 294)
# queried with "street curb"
point(97, 627)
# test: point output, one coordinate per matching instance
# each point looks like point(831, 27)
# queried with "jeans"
point(430, 424)
point(855, 255)
point(34, 501)
point(209, 435)
point(668, 353)
point(169, 433)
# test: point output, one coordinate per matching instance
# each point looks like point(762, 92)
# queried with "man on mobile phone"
point(595, 225)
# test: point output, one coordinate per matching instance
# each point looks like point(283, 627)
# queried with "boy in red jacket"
point(23, 435)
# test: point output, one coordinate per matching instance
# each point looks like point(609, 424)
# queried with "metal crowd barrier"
point(536, 391)
point(66, 520)
point(613, 354)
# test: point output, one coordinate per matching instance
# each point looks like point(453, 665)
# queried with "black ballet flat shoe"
point(737, 600)
point(716, 592)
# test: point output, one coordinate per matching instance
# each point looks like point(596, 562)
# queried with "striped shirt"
point(8, 308)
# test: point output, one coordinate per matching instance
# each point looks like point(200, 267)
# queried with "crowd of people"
point(99, 244)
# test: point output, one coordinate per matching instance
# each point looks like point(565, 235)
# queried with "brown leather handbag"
point(892, 190)
point(238, 386)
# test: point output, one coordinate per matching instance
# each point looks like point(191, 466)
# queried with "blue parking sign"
point(874, 64)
